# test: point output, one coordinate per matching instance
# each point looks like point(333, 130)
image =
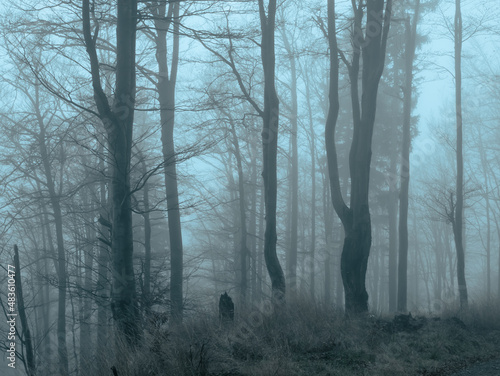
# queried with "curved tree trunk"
point(270, 117)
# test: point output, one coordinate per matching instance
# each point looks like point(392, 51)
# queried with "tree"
point(371, 46)
point(117, 118)
point(457, 217)
point(270, 117)
point(164, 21)
point(410, 46)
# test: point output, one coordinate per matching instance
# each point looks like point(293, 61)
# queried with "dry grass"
point(308, 339)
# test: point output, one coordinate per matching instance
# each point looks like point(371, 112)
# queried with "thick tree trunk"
point(270, 117)
point(118, 120)
point(356, 218)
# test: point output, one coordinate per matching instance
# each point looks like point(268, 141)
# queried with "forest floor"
point(491, 368)
point(308, 339)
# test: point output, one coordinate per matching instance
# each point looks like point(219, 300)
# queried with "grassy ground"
point(307, 339)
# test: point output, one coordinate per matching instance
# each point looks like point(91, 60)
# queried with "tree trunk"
point(313, 192)
point(270, 117)
point(411, 36)
point(356, 218)
point(253, 223)
point(118, 121)
point(243, 256)
point(392, 211)
point(166, 97)
point(85, 329)
point(458, 224)
point(146, 299)
point(291, 266)
point(26, 334)
point(61, 254)
point(103, 258)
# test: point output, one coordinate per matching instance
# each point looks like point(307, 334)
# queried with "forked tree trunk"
point(118, 119)
point(356, 218)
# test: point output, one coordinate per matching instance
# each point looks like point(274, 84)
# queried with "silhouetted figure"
point(226, 308)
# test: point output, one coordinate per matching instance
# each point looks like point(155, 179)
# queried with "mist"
point(249, 187)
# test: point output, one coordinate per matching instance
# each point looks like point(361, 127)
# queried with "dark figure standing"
point(226, 308)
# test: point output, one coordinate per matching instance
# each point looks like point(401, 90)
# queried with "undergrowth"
point(309, 339)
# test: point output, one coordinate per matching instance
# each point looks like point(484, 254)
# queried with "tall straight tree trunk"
point(484, 165)
point(411, 37)
point(86, 314)
point(118, 119)
point(146, 299)
point(458, 224)
point(253, 222)
point(291, 264)
point(313, 191)
point(61, 254)
point(244, 252)
point(392, 211)
point(356, 218)
point(167, 80)
point(102, 285)
point(270, 117)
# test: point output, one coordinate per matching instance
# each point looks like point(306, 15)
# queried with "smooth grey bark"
point(166, 20)
point(313, 192)
point(392, 211)
point(253, 224)
point(484, 165)
point(270, 116)
point(147, 298)
point(118, 119)
point(411, 37)
point(356, 218)
point(291, 260)
point(457, 222)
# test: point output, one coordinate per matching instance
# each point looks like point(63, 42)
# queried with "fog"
point(158, 154)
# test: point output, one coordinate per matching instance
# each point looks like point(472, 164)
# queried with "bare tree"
point(371, 46)
point(118, 119)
